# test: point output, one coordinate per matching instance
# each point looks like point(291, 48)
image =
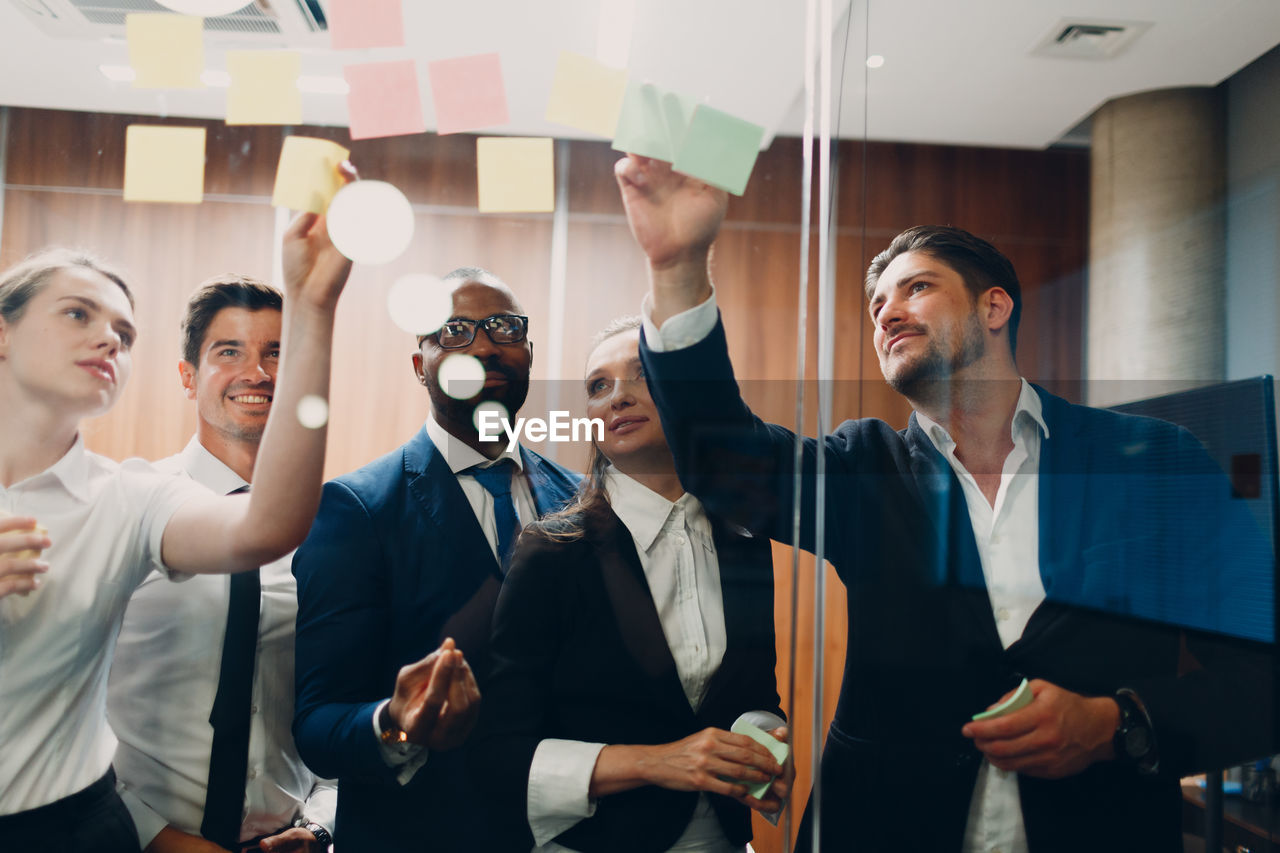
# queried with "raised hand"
point(314, 271)
point(1059, 734)
point(674, 218)
point(20, 547)
point(436, 700)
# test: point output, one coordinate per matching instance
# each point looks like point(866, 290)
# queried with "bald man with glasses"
point(396, 587)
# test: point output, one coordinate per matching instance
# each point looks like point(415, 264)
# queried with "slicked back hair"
point(229, 290)
point(980, 264)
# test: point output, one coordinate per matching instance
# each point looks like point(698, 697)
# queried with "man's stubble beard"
point(912, 380)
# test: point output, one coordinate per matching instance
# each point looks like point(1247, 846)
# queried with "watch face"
point(1137, 742)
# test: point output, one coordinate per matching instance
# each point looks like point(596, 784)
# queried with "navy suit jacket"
point(394, 563)
point(1140, 546)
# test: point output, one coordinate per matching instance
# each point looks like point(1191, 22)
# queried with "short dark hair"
point(23, 281)
point(229, 290)
point(979, 263)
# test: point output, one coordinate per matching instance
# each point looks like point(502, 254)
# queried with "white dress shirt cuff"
point(322, 804)
point(683, 330)
point(559, 779)
point(145, 820)
point(408, 757)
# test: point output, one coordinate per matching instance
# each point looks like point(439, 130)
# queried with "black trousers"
point(90, 821)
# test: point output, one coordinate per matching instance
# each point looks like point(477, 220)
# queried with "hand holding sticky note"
point(1020, 699)
point(307, 178)
point(777, 748)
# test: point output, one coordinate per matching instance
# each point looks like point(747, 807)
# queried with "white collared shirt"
point(165, 676)
point(106, 521)
point(678, 555)
point(459, 456)
point(1008, 538)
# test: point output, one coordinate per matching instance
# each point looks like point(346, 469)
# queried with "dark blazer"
point(1138, 540)
point(578, 653)
point(395, 562)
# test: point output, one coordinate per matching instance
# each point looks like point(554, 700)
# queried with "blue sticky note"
point(719, 149)
point(653, 121)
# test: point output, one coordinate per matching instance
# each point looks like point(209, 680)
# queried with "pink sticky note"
point(384, 99)
point(356, 24)
point(468, 92)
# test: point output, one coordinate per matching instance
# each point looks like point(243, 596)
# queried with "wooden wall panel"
point(63, 185)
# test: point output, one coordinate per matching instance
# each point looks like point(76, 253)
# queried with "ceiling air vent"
point(1094, 39)
point(274, 21)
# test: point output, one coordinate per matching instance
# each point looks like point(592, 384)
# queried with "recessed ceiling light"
point(215, 79)
point(875, 61)
point(118, 73)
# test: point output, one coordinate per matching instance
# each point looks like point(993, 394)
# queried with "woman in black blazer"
point(630, 634)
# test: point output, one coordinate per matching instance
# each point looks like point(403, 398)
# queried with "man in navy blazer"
point(1005, 534)
point(396, 587)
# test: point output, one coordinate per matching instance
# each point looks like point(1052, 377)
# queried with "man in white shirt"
point(967, 570)
point(175, 661)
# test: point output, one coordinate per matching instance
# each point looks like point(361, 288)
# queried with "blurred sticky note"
point(719, 149)
point(1021, 698)
point(468, 93)
point(307, 177)
point(777, 749)
point(384, 99)
point(516, 174)
point(165, 51)
point(164, 163)
point(652, 122)
point(264, 87)
point(358, 24)
point(586, 94)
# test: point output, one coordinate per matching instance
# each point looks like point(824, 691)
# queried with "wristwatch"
point(322, 835)
point(1134, 740)
point(392, 735)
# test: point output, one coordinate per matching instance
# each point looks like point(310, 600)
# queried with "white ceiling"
point(954, 72)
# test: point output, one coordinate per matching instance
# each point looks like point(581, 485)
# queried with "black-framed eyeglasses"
point(501, 329)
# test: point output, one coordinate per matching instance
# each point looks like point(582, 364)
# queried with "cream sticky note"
point(264, 87)
point(359, 24)
point(653, 121)
point(384, 99)
point(778, 749)
point(719, 149)
point(516, 174)
point(586, 94)
point(165, 51)
point(307, 177)
point(468, 92)
point(1021, 698)
point(164, 163)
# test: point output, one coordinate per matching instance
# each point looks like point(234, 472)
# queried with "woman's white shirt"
point(106, 521)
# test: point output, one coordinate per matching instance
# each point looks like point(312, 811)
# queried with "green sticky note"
point(719, 149)
point(653, 121)
point(777, 748)
point(1021, 698)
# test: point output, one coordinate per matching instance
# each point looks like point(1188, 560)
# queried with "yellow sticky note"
point(307, 178)
point(264, 87)
point(165, 51)
point(586, 94)
point(164, 164)
point(516, 175)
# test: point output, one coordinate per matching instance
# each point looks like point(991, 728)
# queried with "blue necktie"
point(496, 480)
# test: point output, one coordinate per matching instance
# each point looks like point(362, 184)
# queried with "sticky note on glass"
point(586, 94)
point(307, 177)
point(777, 748)
point(358, 24)
point(469, 93)
point(719, 149)
point(516, 174)
point(264, 87)
point(165, 51)
point(1021, 698)
point(384, 99)
point(652, 122)
point(164, 164)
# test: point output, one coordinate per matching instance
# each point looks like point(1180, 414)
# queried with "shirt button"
point(253, 774)
point(253, 709)
point(679, 540)
point(1002, 614)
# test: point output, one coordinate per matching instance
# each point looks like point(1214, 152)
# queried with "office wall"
point(62, 186)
